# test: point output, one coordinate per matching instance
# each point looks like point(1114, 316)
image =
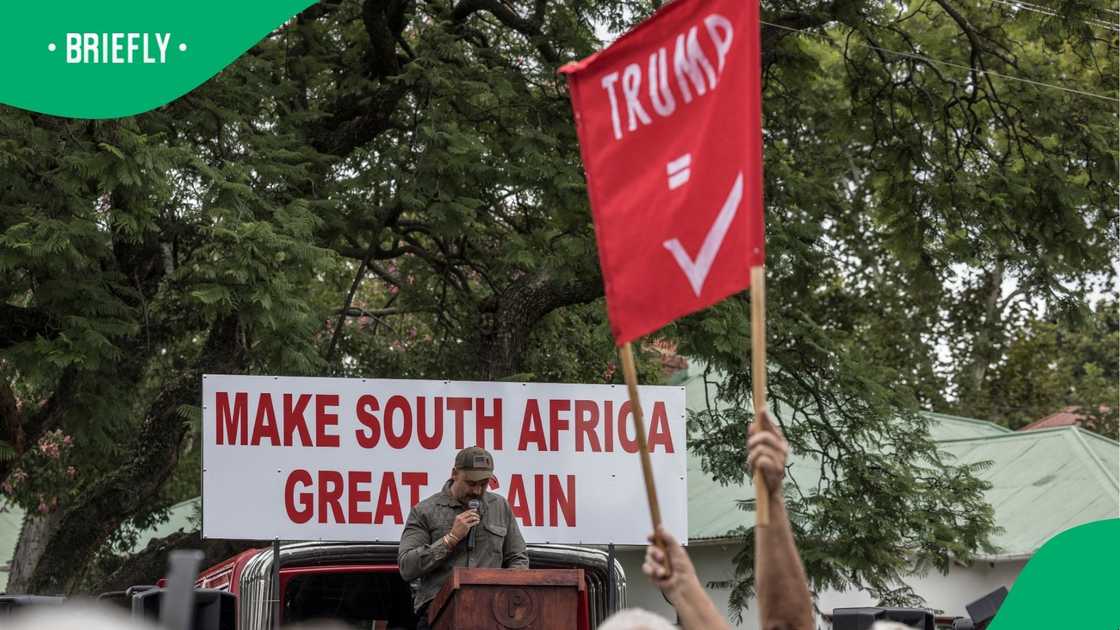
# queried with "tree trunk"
point(56, 552)
point(984, 351)
point(33, 539)
point(508, 320)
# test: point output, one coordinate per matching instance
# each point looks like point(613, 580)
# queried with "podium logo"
point(514, 608)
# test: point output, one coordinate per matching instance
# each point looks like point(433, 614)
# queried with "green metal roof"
point(1043, 481)
point(946, 427)
point(1105, 449)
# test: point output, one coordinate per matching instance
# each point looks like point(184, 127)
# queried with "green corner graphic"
point(113, 59)
point(1073, 581)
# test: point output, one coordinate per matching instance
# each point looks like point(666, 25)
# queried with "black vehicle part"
point(213, 609)
point(864, 618)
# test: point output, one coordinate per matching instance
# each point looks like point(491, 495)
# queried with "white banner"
point(345, 459)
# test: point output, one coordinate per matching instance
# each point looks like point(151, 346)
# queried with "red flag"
point(670, 129)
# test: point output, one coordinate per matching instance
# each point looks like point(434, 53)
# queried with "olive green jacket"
point(423, 555)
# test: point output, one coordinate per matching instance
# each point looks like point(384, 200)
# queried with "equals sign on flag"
point(678, 171)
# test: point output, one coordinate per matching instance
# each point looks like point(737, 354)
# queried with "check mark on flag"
point(678, 189)
point(630, 204)
point(697, 270)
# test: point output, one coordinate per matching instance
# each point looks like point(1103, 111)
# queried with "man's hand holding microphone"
point(464, 525)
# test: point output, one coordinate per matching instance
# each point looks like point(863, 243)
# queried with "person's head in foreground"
point(636, 619)
point(73, 616)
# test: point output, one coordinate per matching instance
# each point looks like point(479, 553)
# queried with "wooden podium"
point(536, 599)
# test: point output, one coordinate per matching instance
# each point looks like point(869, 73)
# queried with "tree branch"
point(529, 27)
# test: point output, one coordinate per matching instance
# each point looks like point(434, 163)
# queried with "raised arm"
point(681, 586)
point(784, 601)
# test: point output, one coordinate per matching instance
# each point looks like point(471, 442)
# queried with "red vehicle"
point(359, 584)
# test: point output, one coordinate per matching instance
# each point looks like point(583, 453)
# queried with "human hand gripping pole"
point(681, 586)
point(784, 600)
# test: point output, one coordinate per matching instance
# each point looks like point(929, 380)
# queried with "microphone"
point(475, 505)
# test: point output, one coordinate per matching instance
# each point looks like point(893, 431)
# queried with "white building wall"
point(948, 593)
point(713, 563)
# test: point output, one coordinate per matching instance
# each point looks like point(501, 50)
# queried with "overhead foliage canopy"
point(394, 189)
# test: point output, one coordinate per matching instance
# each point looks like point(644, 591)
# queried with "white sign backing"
point(345, 459)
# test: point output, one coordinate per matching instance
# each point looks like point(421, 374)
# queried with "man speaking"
point(442, 531)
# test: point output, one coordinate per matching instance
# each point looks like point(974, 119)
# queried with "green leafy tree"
point(1067, 362)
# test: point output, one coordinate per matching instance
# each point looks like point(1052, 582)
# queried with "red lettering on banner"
point(460, 406)
point(294, 420)
point(587, 418)
point(562, 500)
point(232, 424)
point(330, 495)
point(608, 424)
point(303, 513)
point(594, 423)
point(538, 499)
point(393, 439)
point(556, 424)
point(322, 497)
point(531, 427)
point(399, 425)
point(429, 441)
point(323, 419)
point(627, 444)
point(414, 481)
point(518, 504)
point(388, 501)
point(367, 404)
point(559, 497)
point(484, 423)
point(659, 434)
point(356, 495)
point(264, 425)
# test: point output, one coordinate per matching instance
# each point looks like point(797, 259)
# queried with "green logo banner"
point(1073, 581)
point(112, 59)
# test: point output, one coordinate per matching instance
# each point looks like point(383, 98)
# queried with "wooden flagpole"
point(631, 376)
point(758, 379)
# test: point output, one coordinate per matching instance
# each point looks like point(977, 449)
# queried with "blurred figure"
point(636, 619)
point(74, 616)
